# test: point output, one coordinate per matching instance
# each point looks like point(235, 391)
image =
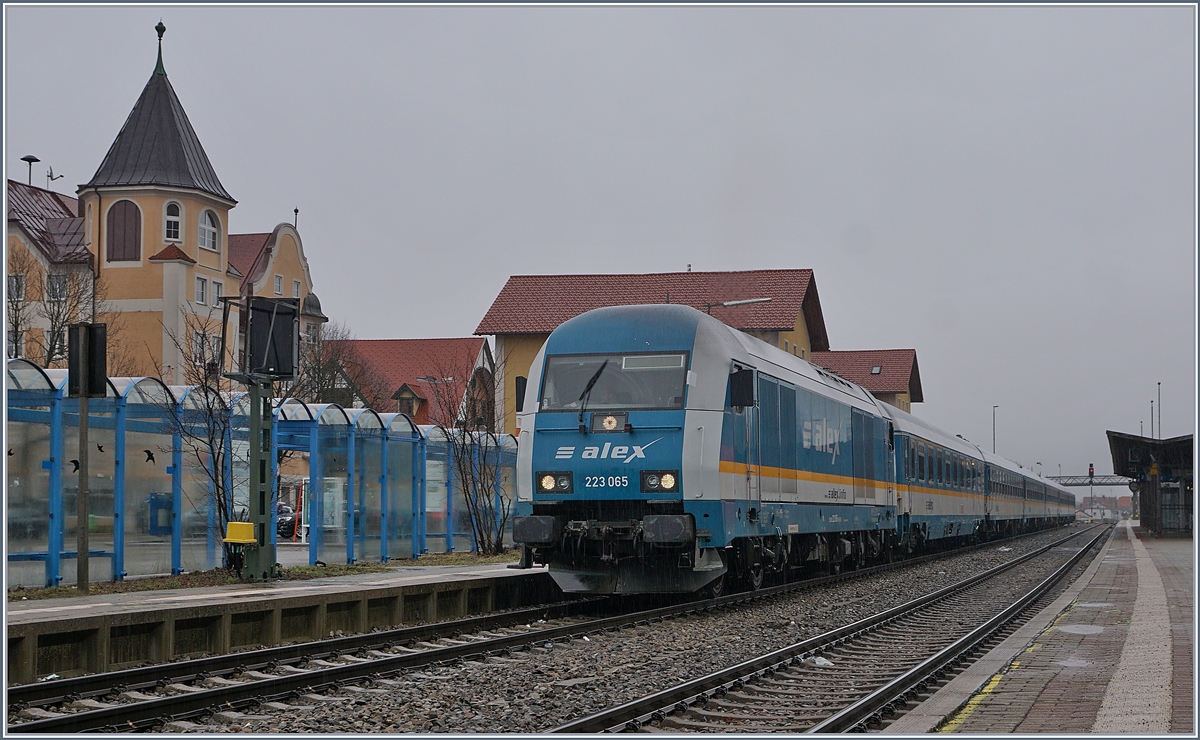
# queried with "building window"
point(408, 406)
point(171, 224)
point(124, 232)
point(218, 290)
point(801, 354)
point(56, 288)
point(58, 344)
point(205, 348)
point(16, 343)
point(16, 287)
point(210, 232)
point(201, 291)
point(877, 369)
point(279, 285)
point(295, 289)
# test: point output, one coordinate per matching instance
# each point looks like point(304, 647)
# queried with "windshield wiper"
point(583, 397)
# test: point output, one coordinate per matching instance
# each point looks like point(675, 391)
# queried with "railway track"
point(859, 675)
point(151, 696)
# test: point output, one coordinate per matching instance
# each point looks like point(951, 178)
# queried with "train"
point(663, 451)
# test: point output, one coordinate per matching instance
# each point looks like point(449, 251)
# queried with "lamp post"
point(1159, 411)
point(30, 159)
point(994, 429)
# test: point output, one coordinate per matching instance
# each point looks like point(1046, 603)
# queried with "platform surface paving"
point(41, 610)
point(1114, 654)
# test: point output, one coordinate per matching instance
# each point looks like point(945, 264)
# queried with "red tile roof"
point(50, 220)
point(537, 304)
point(898, 369)
point(172, 252)
point(399, 362)
point(244, 250)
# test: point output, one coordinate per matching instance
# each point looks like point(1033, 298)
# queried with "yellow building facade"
point(153, 226)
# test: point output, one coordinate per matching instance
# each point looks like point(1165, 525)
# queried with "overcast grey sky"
point(1008, 190)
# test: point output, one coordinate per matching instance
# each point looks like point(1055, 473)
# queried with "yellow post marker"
point(240, 533)
point(241, 536)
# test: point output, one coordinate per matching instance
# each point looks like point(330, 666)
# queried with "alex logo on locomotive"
point(820, 436)
point(609, 451)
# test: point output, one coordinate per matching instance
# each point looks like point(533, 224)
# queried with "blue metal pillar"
point(210, 517)
point(415, 495)
point(316, 494)
point(384, 519)
point(176, 471)
point(449, 496)
point(226, 502)
point(119, 466)
point(54, 465)
point(498, 474)
point(351, 481)
point(419, 510)
point(274, 515)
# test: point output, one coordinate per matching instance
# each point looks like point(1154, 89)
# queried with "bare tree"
point(24, 289)
point(53, 300)
point(66, 299)
point(464, 400)
point(205, 423)
point(331, 371)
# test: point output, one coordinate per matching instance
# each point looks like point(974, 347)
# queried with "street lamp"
point(994, 429)
point(30, 159)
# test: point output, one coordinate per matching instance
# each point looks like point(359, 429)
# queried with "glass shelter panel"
point(331, 506)
point(368, 463)
point(101, 434)
point(27, 491)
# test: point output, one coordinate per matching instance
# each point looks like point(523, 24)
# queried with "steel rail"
point(869, 706)
point(639, 712)
point(46, 693)
point(125, 717)
point(101, 684)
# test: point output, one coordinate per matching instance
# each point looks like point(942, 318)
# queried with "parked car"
point(285, 522)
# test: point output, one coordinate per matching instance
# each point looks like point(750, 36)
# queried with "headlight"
point(555, 482)
point(660, 481)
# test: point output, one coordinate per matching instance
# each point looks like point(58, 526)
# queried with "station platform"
point(1113, 654)
point(89, 634)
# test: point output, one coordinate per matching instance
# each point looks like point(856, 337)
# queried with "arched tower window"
point(210, 231)
point(171, 222)
point(124, 232)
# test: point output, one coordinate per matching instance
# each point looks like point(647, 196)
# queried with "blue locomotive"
point(662, 451)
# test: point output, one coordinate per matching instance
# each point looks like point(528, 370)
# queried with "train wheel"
point(754, 577)
point(716, 589)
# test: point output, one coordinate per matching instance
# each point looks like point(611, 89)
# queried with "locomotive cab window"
point(609, 382)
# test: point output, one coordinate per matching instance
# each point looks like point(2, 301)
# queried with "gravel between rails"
point(541, 689)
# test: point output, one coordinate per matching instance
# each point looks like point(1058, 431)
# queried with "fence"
point(377, 485)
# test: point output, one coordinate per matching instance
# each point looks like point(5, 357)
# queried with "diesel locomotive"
point(662, 451)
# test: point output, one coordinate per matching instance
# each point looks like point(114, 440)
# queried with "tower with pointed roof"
point(154, 221)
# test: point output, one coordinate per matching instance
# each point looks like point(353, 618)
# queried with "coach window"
point(920, 461)
point(941, 463)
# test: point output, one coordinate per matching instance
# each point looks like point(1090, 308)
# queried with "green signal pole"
point(260, 559)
